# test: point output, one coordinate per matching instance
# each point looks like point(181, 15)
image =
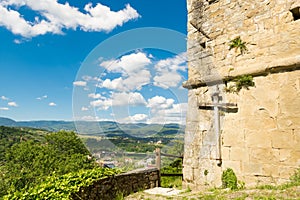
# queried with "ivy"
point(62, 187)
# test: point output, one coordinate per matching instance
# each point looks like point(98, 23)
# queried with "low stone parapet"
point(122, 184)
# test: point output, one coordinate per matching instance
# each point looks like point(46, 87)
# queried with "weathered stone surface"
point(124, 184)
point(260, 139)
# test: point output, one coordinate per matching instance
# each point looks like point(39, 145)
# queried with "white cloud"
point(167, 79)
point(4, 108)
point(52, 104)
point(160, 103)
point(120, 99)
point(175, 63)
point(94, 96)
point(127, 64)
point(134, 82)
point(133, 69)
point(89, 118)
point(80, 83)
point(16, 41)
point(57, 16)
point(138, 117)
point(42, 97)
point(174, 114)
point(84, 108)
point(92, 118)
point(113, 84)
point(167, 71)
point(89, 78)
point(12, 104)
point(164, 110)
point(4, 98)
point(134, 119)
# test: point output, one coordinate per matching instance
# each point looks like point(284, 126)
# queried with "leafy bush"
point(30, 162)
point(229, 179)
point(172, 168)
point(62, 187)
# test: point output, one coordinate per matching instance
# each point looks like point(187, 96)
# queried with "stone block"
point(239, 154)
point(297, 139)
point(226, 153)
point(292, 158)
point(286, 171)
point(282, 139)
point(252, 169)
point(282, 155)
point(262, 155)
point(233, 137)
point(235, 165)
point(260, 120)
point(270, 170)
point(258, 139)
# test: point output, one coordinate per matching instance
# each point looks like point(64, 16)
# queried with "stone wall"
point(260, 134)
point(123, 184)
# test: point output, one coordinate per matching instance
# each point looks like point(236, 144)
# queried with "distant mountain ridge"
point(99, 128)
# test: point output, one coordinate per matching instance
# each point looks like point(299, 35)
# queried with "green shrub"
point(62, 187)
point(229, 179)
point(173, 168)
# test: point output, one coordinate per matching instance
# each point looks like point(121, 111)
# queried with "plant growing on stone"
point(240, 82)
point(205, 172)
point(237, 43)
point(229, 179)
point(244, 81)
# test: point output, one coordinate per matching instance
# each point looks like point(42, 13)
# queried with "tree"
point(30, 162)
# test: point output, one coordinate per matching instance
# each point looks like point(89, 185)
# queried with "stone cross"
point(216, 106)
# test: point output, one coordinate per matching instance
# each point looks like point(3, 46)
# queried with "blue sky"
point(47, 46)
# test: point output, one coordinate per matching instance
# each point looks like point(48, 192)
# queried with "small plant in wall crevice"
point(237, 43)
point(240, 82)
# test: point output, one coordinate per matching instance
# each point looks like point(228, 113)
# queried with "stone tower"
point(244, 91)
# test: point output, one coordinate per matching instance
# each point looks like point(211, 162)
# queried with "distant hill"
point(102, 128)
point(7, 122)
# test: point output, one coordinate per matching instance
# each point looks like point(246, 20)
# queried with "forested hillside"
point(101, 128)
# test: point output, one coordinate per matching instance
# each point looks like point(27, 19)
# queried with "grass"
point(171, 182)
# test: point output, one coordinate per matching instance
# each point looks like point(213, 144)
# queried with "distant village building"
point(244, 91)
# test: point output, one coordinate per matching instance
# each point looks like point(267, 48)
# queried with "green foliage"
point(244, 81)
point(205, 172)
point(237, 43)
point(173, 168)
point(295, 178)
point(229, 179)
point(62, 187)
point(240, 82)
point(10, 136)
point(67, 142)
point(28, 162)
point(120, 196)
